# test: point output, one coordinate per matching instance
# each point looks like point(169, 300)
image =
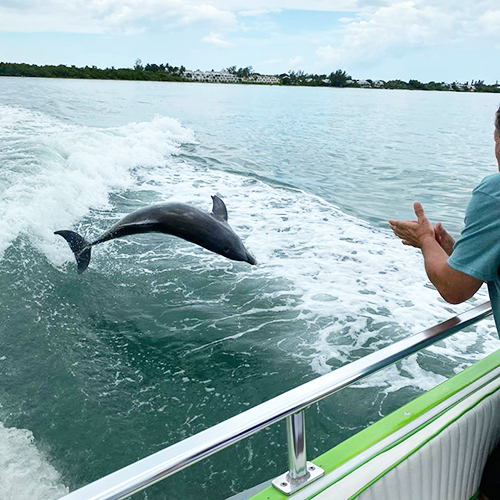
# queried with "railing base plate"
point(283, 483)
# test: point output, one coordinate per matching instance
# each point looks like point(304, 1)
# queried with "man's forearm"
point(454, 286)
point(435, 265)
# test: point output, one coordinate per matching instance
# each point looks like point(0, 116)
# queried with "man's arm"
point(454, 286)
point(445, 240)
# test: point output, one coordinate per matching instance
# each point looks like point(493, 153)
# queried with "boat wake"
point(24, 470)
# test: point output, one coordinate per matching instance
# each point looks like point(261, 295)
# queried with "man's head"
point(497, 136)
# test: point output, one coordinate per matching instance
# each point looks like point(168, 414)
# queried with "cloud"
point(489, 22)
point(314, 5)
point(107, 16)
point(197, 13)
point(112, 16)
point(258, 12)
point(406, 25)
point(216, 39)
point(272, 62)
point(296, 60)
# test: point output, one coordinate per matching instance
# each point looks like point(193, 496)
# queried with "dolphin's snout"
point(251, 259)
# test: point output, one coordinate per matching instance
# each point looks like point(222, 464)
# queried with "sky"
point(427, 40)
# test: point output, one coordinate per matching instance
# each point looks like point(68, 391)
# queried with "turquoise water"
point(160, 339)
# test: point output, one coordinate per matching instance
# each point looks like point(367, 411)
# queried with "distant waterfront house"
point(466, 86)
point(459, 86)
point(226, 77)
point(262, 79)
point(364, 83)
point(211, 76)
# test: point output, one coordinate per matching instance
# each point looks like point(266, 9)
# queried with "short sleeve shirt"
point(477, 252)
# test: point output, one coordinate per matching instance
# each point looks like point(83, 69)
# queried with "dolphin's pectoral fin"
point(219, 209)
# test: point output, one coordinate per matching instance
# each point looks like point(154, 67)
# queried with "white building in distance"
point(226, 77)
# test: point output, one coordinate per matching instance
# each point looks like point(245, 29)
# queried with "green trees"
point(245, 72)
point(436, 86)
point(416, 85)
point(297, 77)
point(479, 86)
point(339, 78)
point(240, 73)
point(149, 72)
point(396, 84)
point(164, 72)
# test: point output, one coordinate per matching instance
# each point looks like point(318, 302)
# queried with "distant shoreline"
point(244, 76)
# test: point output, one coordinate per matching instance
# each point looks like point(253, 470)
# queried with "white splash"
point(53, 173)
point(25, 472)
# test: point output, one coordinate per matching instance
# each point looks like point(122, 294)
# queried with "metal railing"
point(290, 405)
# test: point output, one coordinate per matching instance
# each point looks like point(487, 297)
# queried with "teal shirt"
point(477, 252)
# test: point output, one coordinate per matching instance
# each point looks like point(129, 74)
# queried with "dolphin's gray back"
point(177, 219)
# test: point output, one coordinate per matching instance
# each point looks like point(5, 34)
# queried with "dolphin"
point(210, 231)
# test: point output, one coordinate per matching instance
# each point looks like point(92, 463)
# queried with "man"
point(458, 270)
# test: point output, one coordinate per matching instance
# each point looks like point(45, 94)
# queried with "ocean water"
point(160, 339)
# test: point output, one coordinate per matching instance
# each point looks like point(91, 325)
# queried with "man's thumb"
point(419, 211)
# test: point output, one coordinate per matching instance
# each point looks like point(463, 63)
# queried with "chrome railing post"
point(301, 472)
point(297, 455)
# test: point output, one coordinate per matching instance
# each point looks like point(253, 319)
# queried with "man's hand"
point(454, 286)
point(444, 238)
point(414, 233)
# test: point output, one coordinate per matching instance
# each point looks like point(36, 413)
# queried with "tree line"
point(168, 73)
point(340, 78)
point(149, 72)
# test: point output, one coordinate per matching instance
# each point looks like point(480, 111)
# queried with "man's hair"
point(497, 120)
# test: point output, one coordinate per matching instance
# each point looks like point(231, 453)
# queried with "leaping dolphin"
point(211, 231)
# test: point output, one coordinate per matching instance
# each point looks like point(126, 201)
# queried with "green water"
point(160, 339)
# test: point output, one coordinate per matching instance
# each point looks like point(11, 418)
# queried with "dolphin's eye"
point(226, 250)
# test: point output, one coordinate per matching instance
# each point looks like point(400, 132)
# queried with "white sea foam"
point(53, 173)
point(25, 472)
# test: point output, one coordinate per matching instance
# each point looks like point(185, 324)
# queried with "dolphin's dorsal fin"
point(219, 209)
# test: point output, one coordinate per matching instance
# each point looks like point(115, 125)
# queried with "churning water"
point(160, 339)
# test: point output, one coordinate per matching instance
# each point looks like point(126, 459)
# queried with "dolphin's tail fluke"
point(80, 246)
